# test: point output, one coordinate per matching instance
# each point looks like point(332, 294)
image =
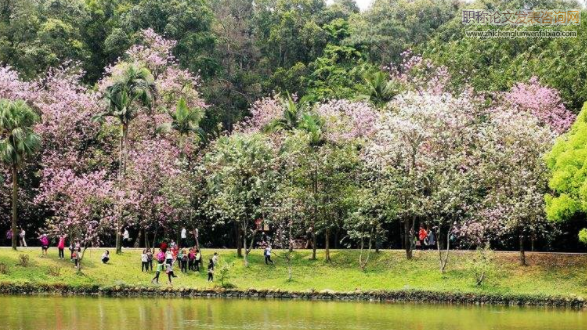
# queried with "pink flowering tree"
point(542, 102)
point(82, 207)
point(416, 73)
point(515, 173)
point(163, 86)
point(75, 185)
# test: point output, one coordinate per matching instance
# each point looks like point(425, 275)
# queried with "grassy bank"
point(546, 275)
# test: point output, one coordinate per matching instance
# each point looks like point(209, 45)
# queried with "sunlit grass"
point(387, 270)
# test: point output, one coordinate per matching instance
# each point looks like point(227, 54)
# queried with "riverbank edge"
point(418, 296)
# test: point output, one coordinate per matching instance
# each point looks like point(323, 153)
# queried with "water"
point(160, 313)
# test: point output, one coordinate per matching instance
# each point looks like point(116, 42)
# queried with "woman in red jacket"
point(422, 235)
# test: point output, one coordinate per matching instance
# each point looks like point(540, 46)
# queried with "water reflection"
point(159, 313)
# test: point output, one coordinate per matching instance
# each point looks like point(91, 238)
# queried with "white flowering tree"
point(241, 177)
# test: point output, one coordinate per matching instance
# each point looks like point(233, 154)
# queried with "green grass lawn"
point(547, 274)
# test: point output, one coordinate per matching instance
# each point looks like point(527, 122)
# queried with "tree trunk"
point(315, 191)
point(139, 238)
point(249, 246)
point(14, 205)
point(155, 235)
point(327, 245)
point(239, 250)
point(290, 248)
point(402, 236)
point(79, 261)
point(246, 258)
point(122, 175)
point(522, 251)
point(408, 239)
point(376, 240)
point(443, 259)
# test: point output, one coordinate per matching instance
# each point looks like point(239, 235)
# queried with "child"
point(75, 257)
point(169, 257)
point(61, 246)
point(150, 259)
point(268, 255)
point(215, 258)
point(170, 273)
point(105, 257)
point(158, 271)
point(44, 244)
point(211, 271)
point(144, 261)
point(191, 260)
point(184, 261)
point(179, 259)
point(175, 251)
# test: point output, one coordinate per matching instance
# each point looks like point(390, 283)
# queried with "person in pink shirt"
point(61, 246)
point(161, 256)
point(44, 244)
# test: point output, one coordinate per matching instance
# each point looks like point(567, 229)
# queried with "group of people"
point(21, 236)
point(171, 254)
point(426, 238)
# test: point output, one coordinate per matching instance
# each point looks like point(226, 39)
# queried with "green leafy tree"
point(241, 177)
point(18, 141)
point(567, 162)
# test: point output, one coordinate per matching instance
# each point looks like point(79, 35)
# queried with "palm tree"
point(130, 93)
point(379, 89)
point(312, 125)
point(18, 141)
point(296, 117)
point(291, 119)
point(185, 121)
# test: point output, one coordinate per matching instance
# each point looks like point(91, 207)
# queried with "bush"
point(482, 264)
point(23, 260)
point(3, 269)
point(583, 236)
point(54, 271)
point(224, 275)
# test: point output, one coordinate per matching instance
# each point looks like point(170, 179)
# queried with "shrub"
point(54, 271)
point(482, 264)
point(23, 260)
point(224, 275)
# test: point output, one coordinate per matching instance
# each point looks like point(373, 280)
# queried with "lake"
point(87, 313)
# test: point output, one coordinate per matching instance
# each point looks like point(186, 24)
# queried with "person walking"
point(215, 258)
point(44, 244)
point(105, 257)
point(169, 257)
point(211, 271)
point(61, 246)
point(21, 237)
point(144, 261)
point(75, 257)
point(170, 273)
point(158, 270)
point(126, 238)
point(268, 255)
point(161, 256)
